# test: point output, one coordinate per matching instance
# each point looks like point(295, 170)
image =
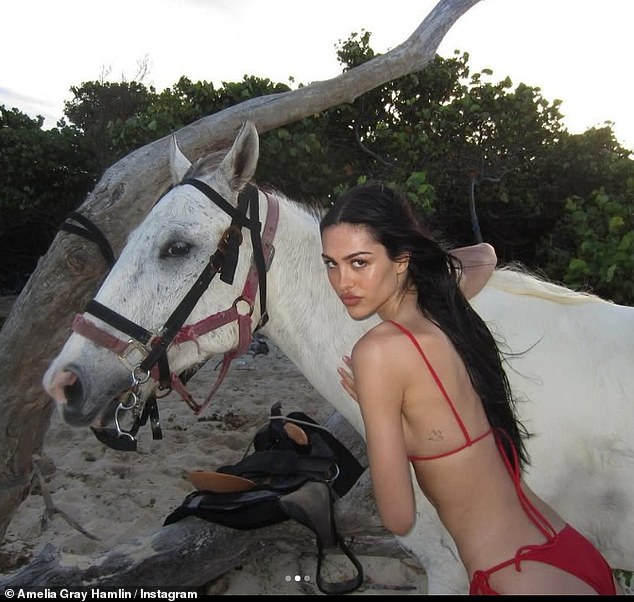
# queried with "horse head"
point(184, 288)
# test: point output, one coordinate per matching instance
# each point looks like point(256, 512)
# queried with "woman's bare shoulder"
point(424, 337)
point(377, 343)
point(385, 342)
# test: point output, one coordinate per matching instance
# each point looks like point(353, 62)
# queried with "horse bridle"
point(145, 352)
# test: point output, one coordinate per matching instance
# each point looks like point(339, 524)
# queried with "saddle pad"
point(219, 482)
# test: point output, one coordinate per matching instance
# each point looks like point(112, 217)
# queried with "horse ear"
point(179, 163)
point(240, 162)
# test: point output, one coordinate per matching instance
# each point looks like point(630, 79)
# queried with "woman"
point(432, 391)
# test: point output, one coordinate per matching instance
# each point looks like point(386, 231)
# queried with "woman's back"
point(457, 461)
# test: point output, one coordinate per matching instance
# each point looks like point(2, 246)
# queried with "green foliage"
point(36, 165)
point(98, 106)
point(455, 127)
point(420, 191)
point(43, 175)
point(625, 580)
point(355, 50)
point(149, 115)
point(554, 201)
point(593, 246)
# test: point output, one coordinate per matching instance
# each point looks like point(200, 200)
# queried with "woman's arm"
point(478, 262)
point(380, 397)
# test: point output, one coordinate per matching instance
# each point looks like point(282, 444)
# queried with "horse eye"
point(175, 249)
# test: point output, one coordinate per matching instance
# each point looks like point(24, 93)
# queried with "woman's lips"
point(349, 300)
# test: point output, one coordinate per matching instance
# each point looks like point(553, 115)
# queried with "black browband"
point(224, 261)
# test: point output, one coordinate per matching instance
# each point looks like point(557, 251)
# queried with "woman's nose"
point(345, 279)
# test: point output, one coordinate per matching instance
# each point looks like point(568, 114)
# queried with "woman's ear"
point(402, 263)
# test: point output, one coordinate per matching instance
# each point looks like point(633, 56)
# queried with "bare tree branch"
point(70, 272)
point(193, 552)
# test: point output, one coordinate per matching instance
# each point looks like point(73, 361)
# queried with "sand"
point(117, 495)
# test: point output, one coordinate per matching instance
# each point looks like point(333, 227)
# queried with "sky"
point(578, 51)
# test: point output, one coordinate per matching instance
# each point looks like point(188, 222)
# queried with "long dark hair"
point(394, 223)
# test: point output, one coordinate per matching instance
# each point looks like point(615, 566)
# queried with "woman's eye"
point(329, 263)
point(176, 249)
point(359, 263)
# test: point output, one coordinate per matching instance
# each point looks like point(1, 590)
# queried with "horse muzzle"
point(74, 395)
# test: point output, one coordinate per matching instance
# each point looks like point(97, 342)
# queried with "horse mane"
point(205, 166)
point(312, 207)
point(517, 279)
point(513, 278)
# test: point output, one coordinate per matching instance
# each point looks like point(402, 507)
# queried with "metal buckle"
point(224, 240)
point(133, 363)
point(249, 304)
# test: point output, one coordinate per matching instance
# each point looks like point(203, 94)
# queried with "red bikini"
point(567, 550)
point(468, 440)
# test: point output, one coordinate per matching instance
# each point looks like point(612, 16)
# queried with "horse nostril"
point(65, 388)
point(74, 391)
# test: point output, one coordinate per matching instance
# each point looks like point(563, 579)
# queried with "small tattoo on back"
point(436, 435)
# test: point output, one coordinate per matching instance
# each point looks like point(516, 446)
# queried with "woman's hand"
point(347, 378)
point(478, 263)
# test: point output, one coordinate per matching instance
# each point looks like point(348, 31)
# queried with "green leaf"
point(616, 223)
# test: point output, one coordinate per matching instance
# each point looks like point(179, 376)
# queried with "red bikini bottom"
point(569, 551)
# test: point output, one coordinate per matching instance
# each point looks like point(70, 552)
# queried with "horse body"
point(573, 391)
point(302, 304)
point(571, 365)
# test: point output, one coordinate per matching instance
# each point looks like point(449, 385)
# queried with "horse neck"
point(308, 322)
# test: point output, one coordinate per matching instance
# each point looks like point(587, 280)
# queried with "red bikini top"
point(468, 440)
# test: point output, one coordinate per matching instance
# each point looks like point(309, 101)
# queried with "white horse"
point(572, 369)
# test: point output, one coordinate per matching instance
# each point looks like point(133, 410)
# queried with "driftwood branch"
point(193, 552)
point(70, 272)
point(190, 553)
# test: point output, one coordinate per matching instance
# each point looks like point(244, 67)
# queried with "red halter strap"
point(191, 332)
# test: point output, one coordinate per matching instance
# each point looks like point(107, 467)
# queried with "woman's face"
point(366, 280)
